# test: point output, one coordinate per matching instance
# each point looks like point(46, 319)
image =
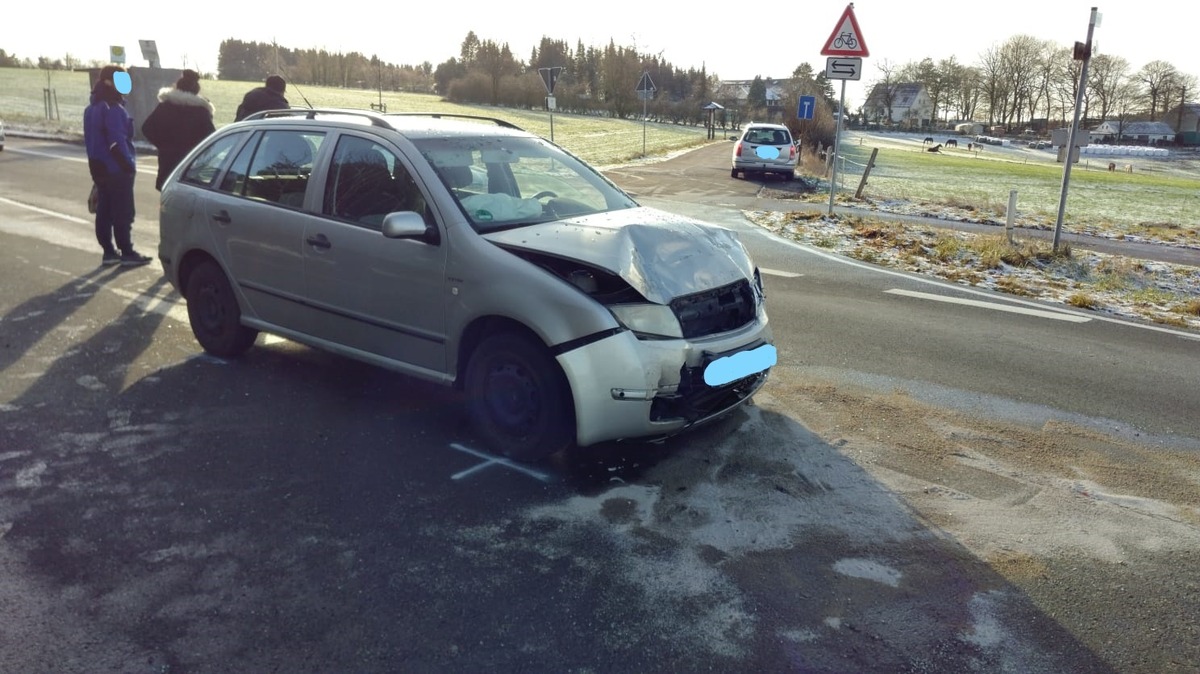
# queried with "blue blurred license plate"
point(742, 364)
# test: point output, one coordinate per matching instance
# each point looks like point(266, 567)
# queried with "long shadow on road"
point(295, 512)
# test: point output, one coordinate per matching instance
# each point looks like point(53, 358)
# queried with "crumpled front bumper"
point(624, 387)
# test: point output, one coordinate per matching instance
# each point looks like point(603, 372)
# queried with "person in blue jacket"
point(112, 160)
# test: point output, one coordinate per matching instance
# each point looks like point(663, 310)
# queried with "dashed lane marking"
point(1071, 318)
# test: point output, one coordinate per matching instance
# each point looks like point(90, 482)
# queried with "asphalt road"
point(164, 511)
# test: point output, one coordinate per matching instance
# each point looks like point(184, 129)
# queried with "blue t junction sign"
point(805, 109)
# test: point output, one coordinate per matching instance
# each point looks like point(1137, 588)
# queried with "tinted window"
point(204, 168)
point(279, 167)
point(768, 136)
point(511, 181)
point(366, 181)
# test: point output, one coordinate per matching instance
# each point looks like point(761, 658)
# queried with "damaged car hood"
point(662, 255)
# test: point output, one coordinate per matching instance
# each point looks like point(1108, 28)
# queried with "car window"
point(204, 168)
point(506, 181)
point(366, 181)
point(274, 167)
point(768, 136)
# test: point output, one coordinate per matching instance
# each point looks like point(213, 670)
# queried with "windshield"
point(503, 182)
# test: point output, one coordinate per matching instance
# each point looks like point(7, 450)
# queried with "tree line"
point(1030, 81)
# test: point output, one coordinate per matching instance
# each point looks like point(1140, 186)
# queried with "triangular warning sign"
point(846, 39)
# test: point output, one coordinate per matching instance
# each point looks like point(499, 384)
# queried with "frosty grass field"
point(1159, 200)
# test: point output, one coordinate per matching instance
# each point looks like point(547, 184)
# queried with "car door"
point(382, 296)
point(256, 216)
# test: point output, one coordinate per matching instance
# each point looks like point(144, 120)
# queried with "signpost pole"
point(837, 135)
point(1066, 179)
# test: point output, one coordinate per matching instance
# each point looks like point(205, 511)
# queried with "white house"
point(1148, 133)
point(910, 105)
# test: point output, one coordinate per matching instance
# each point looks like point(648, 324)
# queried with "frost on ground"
point(1123, 287)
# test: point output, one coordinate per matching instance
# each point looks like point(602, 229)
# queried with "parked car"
point(1, 135)
point(764, 148)
point(466, 252)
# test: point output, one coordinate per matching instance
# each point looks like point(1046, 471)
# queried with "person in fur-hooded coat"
point(178, 123)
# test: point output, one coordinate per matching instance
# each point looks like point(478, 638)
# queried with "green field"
point(1159, 200)
point(598, 140)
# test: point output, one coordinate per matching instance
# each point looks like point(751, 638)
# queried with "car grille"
point(713, 311)
point(696, 400)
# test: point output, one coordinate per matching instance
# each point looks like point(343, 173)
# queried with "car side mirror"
point(408, 225)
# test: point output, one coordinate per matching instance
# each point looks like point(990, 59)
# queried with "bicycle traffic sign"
point(846, 38)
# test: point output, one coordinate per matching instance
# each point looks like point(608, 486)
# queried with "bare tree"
point(1107, 75)
point(883, 93)
point(992, 81)
point(1157, 79)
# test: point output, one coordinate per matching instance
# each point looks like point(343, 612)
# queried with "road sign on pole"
point(805, 109)
point(843, 68)
point(646, 85)
point(149, 52)
point(116, 54)
point(645, 91)
point(846, 38)
point(550, 78)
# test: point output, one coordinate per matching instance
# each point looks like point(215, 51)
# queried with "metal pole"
point(837, 134)
point(1069, 159)
point(644, 104)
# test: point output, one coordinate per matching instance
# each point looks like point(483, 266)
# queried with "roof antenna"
point(287, 78)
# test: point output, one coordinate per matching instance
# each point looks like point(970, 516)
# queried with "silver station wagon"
point(464, 251)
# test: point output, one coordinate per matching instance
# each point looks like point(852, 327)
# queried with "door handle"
point(223, 217)
point(319, 241)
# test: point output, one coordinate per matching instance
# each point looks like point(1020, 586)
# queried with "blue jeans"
point(114, 213)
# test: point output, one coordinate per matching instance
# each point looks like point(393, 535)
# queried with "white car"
point(765, 148)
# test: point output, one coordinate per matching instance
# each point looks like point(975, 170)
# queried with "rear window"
point(768, 136)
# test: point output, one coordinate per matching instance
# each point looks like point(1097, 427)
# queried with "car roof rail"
point(311, 113)
point(452, 115)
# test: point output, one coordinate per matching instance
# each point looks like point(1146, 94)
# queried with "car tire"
point(214, 314)
point(518, 398)
point(733, 173)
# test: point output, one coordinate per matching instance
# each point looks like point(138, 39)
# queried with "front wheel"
point(214, 314)
point(518, 398)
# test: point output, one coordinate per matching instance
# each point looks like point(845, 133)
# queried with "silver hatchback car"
point(765, 148)
point(470, 253)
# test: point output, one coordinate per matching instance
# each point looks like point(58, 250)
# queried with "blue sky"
point(734, 41)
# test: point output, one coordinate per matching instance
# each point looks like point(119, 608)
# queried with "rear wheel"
point(733, 173)
point(214, 314)
point(518, 398)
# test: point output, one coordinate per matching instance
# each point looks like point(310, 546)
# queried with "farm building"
point(968, 129)
point(1185, 119)
point(1148, 133)
point(908, 104)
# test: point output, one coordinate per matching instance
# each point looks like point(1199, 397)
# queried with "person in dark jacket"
point(112, 161)
point(267, 97)
point(180, 121)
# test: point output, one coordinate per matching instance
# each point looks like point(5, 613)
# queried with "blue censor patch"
point(767, 152)
point(122, 82)
point(732, 368)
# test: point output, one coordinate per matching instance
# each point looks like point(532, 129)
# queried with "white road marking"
point(82, 160)
point(490, 460)
point(46, 211)
point(1070, 318)
point(776, 272)
point(773, 238)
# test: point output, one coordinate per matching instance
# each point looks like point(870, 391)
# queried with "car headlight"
point(648, 319)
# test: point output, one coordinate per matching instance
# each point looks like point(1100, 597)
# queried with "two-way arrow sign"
point(843, 68)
